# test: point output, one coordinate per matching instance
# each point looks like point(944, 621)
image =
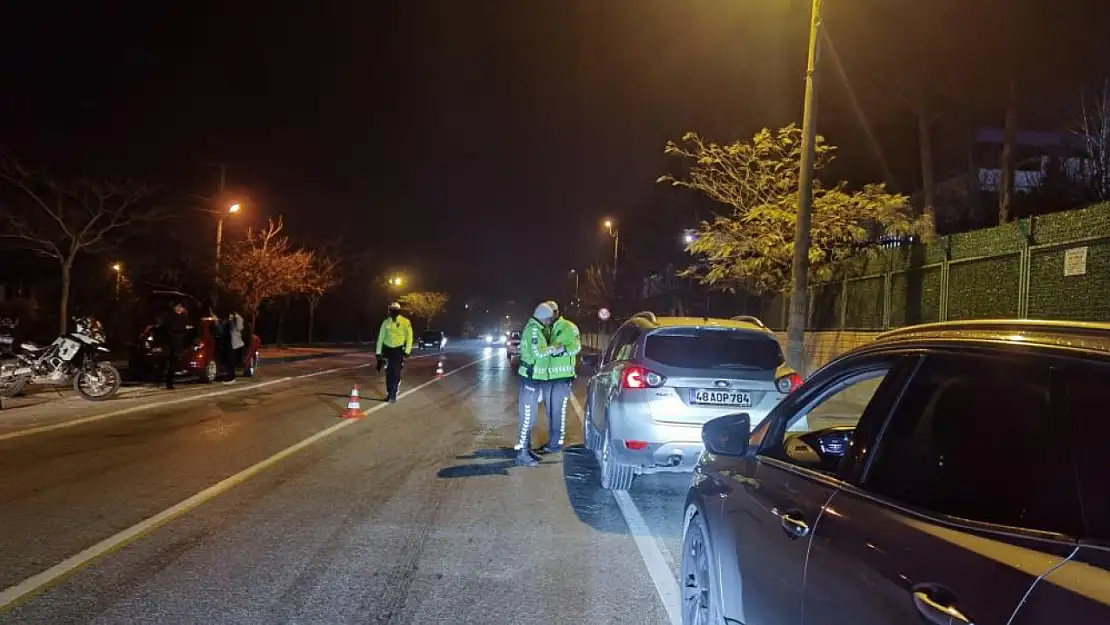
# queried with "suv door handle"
point(935, 612)
point(794, 526)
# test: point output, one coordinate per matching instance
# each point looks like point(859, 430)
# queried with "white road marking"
point(180, 400)
point(44, 580)
point(657, 559)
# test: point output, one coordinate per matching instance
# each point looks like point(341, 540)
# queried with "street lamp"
point(231, 210)
point(118, 268)
point(396, 281)
point(613, 232)
point(688, 238)
point(796, 328)
point(574, 272)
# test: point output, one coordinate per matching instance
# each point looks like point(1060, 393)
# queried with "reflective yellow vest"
point(564, 333)
point(395, 333)
point(534, 359)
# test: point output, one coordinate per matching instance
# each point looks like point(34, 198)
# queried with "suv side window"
point(621, 346)
point(977, 437)
point(619, 337)
point(1086, 404)
point(626, 349)
point(816, 429)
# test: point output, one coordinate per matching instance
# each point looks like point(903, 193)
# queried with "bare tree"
point(1093, 130)
point(597, 288)
point(61, 219)
point(323, 276)
point(263, 266)
point(425, 304)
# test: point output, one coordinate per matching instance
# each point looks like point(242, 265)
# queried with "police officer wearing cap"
point(394, 343)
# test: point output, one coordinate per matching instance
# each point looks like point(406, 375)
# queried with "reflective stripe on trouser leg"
point(527, 404)
point(558, 399)
point(563, 419)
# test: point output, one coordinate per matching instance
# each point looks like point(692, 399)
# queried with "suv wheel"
point(208, 375)
point(614, 475)
point(588, 427)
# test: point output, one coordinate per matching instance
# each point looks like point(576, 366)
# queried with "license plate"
point(723, 398)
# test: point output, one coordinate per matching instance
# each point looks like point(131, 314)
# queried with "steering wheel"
point(821, 449)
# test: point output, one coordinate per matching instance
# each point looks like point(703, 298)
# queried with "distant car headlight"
point(489, 339)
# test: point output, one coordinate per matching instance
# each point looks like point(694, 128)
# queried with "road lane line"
point(180, 400)
point(658, 562)
point(45, 580)
point(665, 583)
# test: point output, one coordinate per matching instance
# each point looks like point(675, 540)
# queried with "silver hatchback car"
point(661, 378)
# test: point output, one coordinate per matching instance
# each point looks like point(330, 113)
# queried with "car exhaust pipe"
point(673, 460)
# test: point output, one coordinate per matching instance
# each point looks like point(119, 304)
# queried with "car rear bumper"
point(670, 447)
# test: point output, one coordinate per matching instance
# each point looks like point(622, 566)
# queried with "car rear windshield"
point(714, 349)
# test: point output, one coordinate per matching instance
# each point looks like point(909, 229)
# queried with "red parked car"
point(199, 358)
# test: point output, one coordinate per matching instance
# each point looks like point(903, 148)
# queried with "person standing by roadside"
point(174, 326)
point(394, 344)
point(535, 360)
point(233, 354)
point(565, 342)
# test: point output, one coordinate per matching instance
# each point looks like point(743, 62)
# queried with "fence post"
point(1023, 286)
point(843, 303)
point(944, 271)
point(887, 284)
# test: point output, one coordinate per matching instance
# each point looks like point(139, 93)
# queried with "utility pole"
point(220, 221)
point(615, 233)
point(796, 329)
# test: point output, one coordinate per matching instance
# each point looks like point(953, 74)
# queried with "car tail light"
point(636, 445)
point(638, 377)
point(789, 383)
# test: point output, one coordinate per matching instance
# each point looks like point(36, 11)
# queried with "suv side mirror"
point(727, 435)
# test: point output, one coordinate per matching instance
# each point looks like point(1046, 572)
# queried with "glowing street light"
point(118, 268)
point(396, 281)
point(688, 238)
point(231, 210)
point(613, 232)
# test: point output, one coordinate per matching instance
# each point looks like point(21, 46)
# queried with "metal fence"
point(1050, 267)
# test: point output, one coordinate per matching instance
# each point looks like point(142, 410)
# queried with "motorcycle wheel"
point(13, 387)
point(98, 382)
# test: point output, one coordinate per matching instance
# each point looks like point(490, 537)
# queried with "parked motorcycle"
point(72, 359)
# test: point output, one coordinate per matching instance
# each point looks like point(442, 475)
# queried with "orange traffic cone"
point(354, 410)
point(439, 369)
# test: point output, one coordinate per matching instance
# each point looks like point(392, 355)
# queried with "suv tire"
point(614, 475)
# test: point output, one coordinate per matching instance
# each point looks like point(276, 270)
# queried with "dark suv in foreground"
point(945, 473)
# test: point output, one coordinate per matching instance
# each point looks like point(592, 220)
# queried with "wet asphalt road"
point(414, 514)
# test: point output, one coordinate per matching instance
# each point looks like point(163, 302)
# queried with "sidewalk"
point(40, 397)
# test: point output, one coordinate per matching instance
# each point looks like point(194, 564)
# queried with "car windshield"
point(514, 336)
point(714, 349)
point(431, 336)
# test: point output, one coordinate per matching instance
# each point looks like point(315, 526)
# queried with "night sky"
point(478, 141)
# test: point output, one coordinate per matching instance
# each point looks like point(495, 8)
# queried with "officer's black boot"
point(526, 459)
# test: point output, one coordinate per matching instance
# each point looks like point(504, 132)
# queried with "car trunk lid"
point(710, 372)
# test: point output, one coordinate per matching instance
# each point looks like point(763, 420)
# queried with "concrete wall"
point(820, 348)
